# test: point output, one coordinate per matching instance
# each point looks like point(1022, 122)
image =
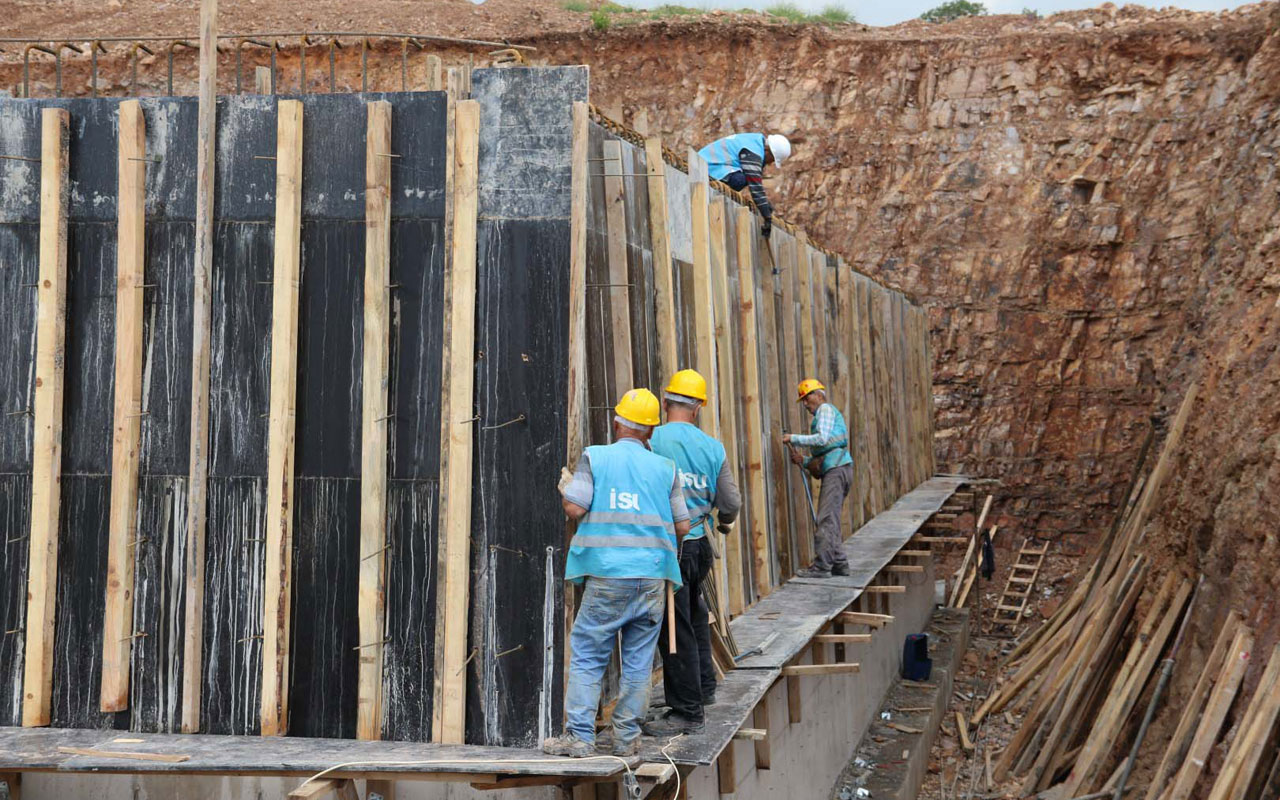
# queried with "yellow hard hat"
point(639, 406)
point(808, 385)
point(688, 383)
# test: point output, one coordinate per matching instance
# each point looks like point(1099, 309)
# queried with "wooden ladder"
point(1022, 578)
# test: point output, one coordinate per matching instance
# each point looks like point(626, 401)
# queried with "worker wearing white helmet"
point(739, 160)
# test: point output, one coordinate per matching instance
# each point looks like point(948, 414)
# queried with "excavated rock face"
point(1063, 195)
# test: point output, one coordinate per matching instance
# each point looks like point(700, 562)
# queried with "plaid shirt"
point(825, 419)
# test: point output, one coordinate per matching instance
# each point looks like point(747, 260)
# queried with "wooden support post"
point(726, 769)
point(126, 427)
point(726, 393)
point(774, 405)
point(618, 291)
point(12, 782)
point(842, 638)
point(435, 74)
point(885, 590)
point(663, 293)
point(702, 309)
point(262, 80)
point(277, 592)
point(802, 266)
point(757, 512)
point(198, 464)
point(847, 364)
point(869, 409)
point(760, 718)
point(46, 455)
point(795, 364)
point(375, 382)
point(794, 707)
point(458, 433)
point(576, 390)
point(863, 618)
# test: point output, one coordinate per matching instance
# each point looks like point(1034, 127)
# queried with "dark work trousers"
point(688, 674)
point(735, 181)
point(836, 483)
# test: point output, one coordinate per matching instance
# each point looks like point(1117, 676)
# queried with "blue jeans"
point(634, 607)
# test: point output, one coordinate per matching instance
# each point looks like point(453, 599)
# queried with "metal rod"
point(420, 37)
point(172, 46)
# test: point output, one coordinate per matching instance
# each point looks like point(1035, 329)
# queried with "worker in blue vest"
point(631, 514)
point(739, 161)
point(828, 458)
point(688, 675)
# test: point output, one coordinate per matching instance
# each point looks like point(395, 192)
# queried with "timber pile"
point(1083, 672)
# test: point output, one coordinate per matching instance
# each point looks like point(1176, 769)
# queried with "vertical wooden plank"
point(117, 629)
point(46, 461)
point(618, 291)
point(760, 719)
point(576, 390)
point(757, 513)
point(794, 340)
point(774, 411)
point(726, 770)
point(870, 408)
point(435, 74)
point(845, 357)
point(458, 432)
point(702, 309)
point(900, 394)
point(802, 268)
point(794, 707)
point(276, 615)
point(375, 383)
point(817, 266)
point(198, 472)
point(727, 393)
point(664, 292)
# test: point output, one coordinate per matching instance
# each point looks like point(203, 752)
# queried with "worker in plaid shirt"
point(828, 459)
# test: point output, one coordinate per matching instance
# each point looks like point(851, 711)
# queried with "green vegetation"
point(1030, 13)
point(664, 11)
point(955, 9)
point(787, 11)
point(577, 6)
point(600, 19)
point(833, 15)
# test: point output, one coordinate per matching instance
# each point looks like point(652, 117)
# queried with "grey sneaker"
point(672, 725)
point(813, 572)
point(568, 745)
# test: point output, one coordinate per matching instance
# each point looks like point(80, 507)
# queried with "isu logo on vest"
point(625, 501)
point(692, 480)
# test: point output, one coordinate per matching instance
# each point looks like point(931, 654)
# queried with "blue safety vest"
point(698, 458)
point(629, 531)
point(836, 454)
point(722, 154)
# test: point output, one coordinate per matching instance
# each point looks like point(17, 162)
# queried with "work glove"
point(725, 527)
point(565, 477)
point(767, 228)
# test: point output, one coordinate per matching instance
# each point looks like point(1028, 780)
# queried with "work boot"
point(840, 569)
point(629, 749)
point(709, 698)
point(672, 724)
point(813, 571)
point(567, 745)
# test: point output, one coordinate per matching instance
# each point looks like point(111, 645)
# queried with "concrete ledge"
point(896, 760)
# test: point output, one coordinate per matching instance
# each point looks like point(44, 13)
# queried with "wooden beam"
point(701, 308)
point(760, 718)
point(914, 554)
point(277, 592)
point(262, 80)
point(576, 380)
point(794, 416)
point(799, 670)
point(92, 752)
point(842, 638)
point(618, 292)
point(941, 539)
point(46, 453)
point(795, 711)
point(773, 399)
point(1252, 736)
point(726, 770)
point(457, 434)
point(885, 590)
point(198, 463)
point(757, 512)
point(751, 734)
point(904, 568)
point(802, 263)
point(341, 788)
point(435, 74)
point(663, 293)
point(727, 394)
point(126, 426)
point(863, 618)
point(374, 421)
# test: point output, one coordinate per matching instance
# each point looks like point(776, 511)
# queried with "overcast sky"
point(888, 12)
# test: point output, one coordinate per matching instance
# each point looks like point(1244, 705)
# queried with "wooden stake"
point(198, 471)
point(277, 593)
point(802, 262)
point(1252, 735)
point(117, 627)
point(702, 309)
point(663, 293)
point(727, 392)
point(760, 718)
point(726, 770)
point(374, 422)
point(617, 292)
point(262, 80)
point(457, 434)
point(798, 670)
point(757, 512)
point(46, 454)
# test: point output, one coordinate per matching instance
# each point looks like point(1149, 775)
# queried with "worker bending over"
point(688, 674)
point(828, 459)
point(739, 161)
point(631, 515)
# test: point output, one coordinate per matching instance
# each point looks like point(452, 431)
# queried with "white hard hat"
point(780, 146)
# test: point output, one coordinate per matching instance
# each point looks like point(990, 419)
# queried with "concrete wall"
point(836, 711)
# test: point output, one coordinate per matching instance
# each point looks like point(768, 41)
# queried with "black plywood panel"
point(409, 655)
point(417, 302)
point(15, 522)
point(517, 520)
